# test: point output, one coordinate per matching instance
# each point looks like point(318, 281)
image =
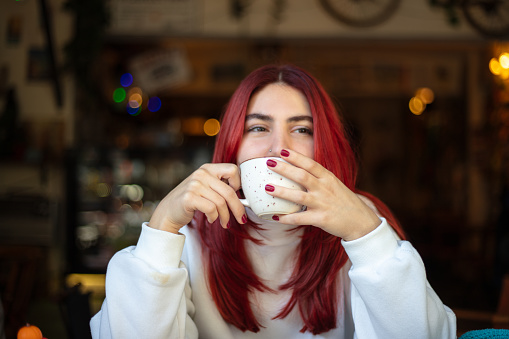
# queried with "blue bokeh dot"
point(134, 111)
point(154, 104)
point(126, 79)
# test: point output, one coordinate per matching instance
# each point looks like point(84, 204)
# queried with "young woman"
point(205, 266)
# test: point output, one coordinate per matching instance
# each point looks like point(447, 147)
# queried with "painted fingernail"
point(244, 219)
point(275, 217)
point(271, 163)
point(284, 153)
point(228, 225)
point(269, 188)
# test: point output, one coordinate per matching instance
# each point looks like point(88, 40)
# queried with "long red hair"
point(314, 282)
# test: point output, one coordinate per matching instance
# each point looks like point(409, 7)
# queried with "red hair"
point(314, 281)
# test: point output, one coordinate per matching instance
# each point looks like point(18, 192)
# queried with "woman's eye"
point(305, 130)
point(256, 129)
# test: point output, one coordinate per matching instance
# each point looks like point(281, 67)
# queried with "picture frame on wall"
point(155, 17)
point(14, 29)
point(38, 67)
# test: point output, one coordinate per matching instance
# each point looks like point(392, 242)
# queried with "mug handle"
point(245, 202)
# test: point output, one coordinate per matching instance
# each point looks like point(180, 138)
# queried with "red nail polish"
point(228, 225)
point(244, 219)
point(284, 153)
point(271, 163)
point(269, 188)
point(275, 217)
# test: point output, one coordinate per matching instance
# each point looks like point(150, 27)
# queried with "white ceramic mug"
point(254, 175)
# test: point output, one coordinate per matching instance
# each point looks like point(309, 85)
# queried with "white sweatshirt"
point(158, 289)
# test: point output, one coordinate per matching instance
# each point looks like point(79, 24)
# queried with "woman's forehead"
point(278, 97)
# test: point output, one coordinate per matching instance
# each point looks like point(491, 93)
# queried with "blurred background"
point(106, 105)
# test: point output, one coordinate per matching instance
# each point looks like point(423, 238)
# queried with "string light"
point(137, 100)
point(126, 80)
point(495, 67)
point(425, 94)
point(503, 59)
point(211, 127)
point(119, 95)
point(416, 106)
point(154, 104)
point(134, 111)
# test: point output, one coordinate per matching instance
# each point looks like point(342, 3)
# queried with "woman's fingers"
point(303, 162)
point(226, 187)
point(225, 200)
point(330, 205)
point(210, 189)
point(295, 172)
point(201, 198)
point(228, 173)
point(291, 194)
point(300, 218)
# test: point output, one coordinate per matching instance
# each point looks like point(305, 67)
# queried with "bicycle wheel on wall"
point(489, 17)
point(361, 13)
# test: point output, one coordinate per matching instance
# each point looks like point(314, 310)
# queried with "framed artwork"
point(14, 28)
point(140, 17)
point(38, 64)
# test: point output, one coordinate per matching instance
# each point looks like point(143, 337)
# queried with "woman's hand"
point(330, 204)
point(211, 189)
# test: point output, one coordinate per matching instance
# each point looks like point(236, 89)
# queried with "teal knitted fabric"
point(489, 333)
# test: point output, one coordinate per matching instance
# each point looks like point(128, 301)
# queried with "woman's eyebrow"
point(300, 118)
point(265, 117)
point(259, 116)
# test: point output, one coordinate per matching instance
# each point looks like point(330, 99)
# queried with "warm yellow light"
point(103, 190)
point(211, 127)
point(416, 106)
point(425, 94)
point(504, 60)
point(135, 100)
point(495, 67)
point(504, 74)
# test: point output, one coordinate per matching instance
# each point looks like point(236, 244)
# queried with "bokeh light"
point(119, 95)
point(134, 111)
point(504, 60)
point(154, 104)
point(495, 67)
point(126, 79)
point(425, 94)
point(131, 192)
point(103, 190)
point(135, 100)
point(416, 106)
point(211, 127)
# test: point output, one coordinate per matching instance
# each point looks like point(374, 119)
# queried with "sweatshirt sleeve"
point(390, 295)
point(147, 291)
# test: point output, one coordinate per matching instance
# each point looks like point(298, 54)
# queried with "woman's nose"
point(272, 152)
point(278, 143)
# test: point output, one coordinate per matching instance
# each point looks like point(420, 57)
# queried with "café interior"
point(106, 106)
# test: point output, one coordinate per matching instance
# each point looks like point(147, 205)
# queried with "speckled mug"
point(254, 175)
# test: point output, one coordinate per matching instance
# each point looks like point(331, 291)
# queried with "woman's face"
point(278, 117)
